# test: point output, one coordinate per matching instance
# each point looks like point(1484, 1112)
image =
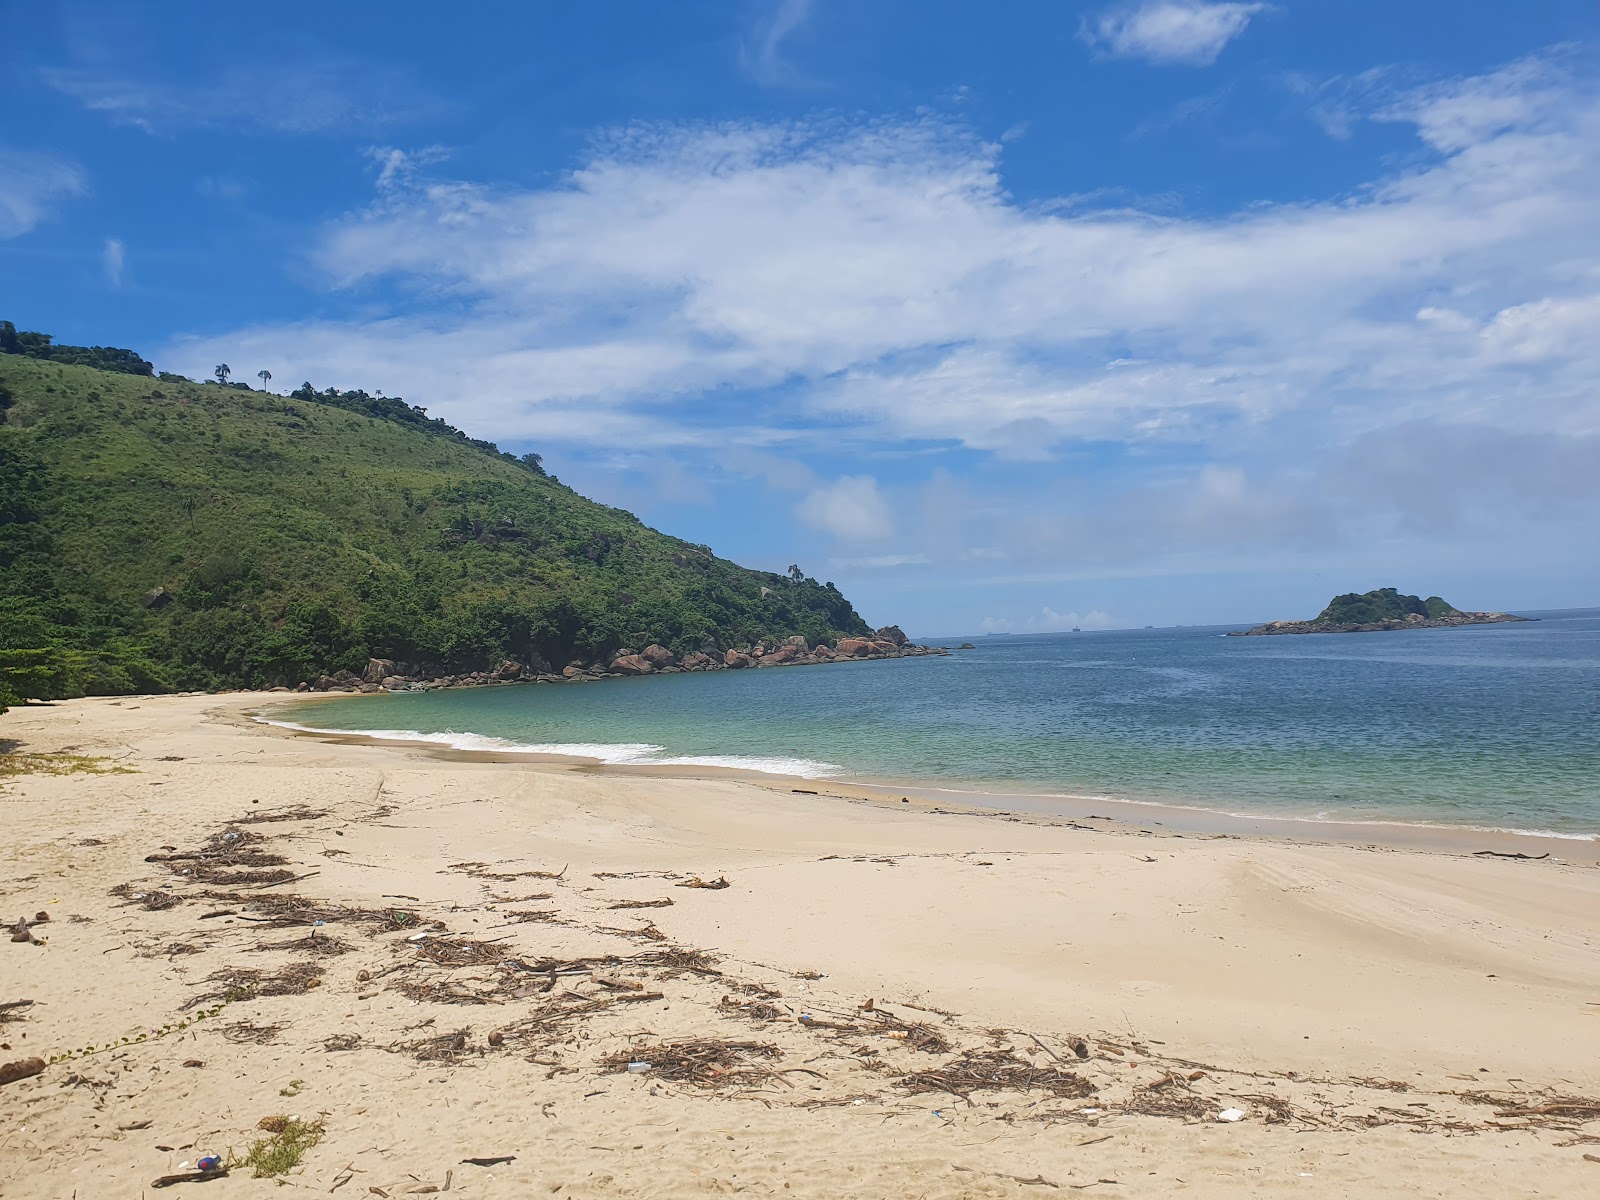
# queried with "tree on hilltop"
point(222, 371)
point(265, 377)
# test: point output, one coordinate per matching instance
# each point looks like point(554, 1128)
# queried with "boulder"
point(572, 671)
point(893, 635)
point(823, 653)
point(698, 661)
point(735, 659)
point(658, 655)
point(377, 670)
point(852, 648)
point(799, 642)
point(508, 670)
point(632, 664)
point(156, 599)
point(393, 683)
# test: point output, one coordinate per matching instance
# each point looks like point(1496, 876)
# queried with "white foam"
point(643, 754)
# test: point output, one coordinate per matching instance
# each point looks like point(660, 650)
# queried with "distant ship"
point(1075, 629)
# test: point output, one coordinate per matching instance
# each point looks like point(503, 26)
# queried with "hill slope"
point(294, 537)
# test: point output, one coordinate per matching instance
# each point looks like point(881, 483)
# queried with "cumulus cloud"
point(1187, 32)
point(850, 508)
point(31, 185)
point(847, 286)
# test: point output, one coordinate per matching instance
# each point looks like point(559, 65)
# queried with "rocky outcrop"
point(1413, 621)
point(658, 656)
point(155, 599)
point(632, 664)
point(655, 659)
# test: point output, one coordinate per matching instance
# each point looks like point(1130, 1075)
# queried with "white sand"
point(1357, 992)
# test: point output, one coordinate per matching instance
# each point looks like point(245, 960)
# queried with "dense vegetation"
point(1382, 604)
point(41, 345)
point(294, 536)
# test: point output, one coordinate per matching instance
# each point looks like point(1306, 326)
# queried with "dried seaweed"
point(341, 1041)
point(704, 1062)
point(996, 1070)
point(298, 812)
point(240, 983)
point(446, 1047)
point(151, 900)
point(243, 1032)
point(481, 870)
point(459, 952)
point(321, 945)
point(666, 903)
point(524, 916)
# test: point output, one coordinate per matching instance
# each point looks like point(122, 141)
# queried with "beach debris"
point(638, 1067)
point(341, 1041)
point(996, 1070)
point(1507, 854)
point(1231, 1114)
point(22, 1068)
point(694, 881)
point(704, 1062)
point(666, 903)
point(21, 933)
point(493, 1161)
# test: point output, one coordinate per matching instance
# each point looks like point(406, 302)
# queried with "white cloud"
point(857, 286)
point(761, 55)
point(850, 508)
point(1048, 620)
point(31, 185)
point(1187, 32)
point(113, 257)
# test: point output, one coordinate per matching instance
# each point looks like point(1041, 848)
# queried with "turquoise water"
point(1496, 726)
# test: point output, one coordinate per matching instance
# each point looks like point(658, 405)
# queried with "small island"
point(1379, 610)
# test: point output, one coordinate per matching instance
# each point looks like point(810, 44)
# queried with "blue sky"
point(1007, 317)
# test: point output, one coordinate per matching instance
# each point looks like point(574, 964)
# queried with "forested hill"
point(302, 535)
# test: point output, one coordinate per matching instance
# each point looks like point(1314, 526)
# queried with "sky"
point(1007, 317)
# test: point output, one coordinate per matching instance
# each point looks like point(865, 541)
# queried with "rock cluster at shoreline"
point(387, 675)
point(1413, 621)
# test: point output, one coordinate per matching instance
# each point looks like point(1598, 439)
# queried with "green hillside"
point(300, 535)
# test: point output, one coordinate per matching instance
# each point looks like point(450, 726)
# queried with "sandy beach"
point(884, 999)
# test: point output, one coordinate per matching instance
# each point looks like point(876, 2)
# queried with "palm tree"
point(265, 377)
point(222, 371)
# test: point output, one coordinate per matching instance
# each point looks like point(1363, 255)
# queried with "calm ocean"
point(1495, 726)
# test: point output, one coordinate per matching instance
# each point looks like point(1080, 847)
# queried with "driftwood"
point(1505, 854)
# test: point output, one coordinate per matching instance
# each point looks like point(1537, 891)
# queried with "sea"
point(1492, 727)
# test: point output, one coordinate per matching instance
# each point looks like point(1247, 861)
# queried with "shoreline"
point(442, 956)
point(1197, 820)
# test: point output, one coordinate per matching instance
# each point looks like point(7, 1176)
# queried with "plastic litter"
point(1231, 1114)
point(209, 1162)
point(638, 1068)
